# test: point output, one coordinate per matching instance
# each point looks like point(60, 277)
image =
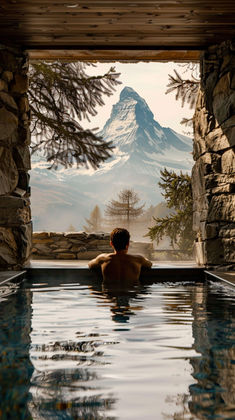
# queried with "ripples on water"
point(165, 351)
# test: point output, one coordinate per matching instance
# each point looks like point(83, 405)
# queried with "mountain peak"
point(132, 128)
point(128, 92)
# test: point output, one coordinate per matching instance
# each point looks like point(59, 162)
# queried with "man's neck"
point(121, 252)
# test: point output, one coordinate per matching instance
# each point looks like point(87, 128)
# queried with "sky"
point(150, 81)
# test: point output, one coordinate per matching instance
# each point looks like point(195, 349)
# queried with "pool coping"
point(170, 274)
point(155, 274)
point(8, 276)
point(223, 276)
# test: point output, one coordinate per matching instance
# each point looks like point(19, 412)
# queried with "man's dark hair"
point(120, 238)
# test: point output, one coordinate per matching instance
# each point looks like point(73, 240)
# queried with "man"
point(120, 268)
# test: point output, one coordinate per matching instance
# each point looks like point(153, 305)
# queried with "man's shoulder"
point(140, 259)
point(104, 256)
point(135, 257)
point(100, 259)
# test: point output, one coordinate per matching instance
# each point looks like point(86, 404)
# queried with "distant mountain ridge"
point(140, 140)
point(131, 120)
point(142, 149)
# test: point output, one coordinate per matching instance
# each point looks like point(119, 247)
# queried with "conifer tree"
point(185, 89)
point(125, 208)
point(177, 225)
point(71, 228)
point(61, 95)
point(94, 222)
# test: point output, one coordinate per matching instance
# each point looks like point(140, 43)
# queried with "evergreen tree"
point(177, 225)
point(160, 210)
point(61, 95)
point(125, 209)
point(71, 228)
point(94, 222)
point(185, 90)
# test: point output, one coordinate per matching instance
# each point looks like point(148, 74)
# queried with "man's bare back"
point(120, 267)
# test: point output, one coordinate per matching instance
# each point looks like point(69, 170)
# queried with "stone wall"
point(213, 175)
point(15, 217)
point(69, 245)
point(78, 245)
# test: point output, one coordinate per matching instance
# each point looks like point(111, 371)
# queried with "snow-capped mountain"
point(141, 143)
point(142, 149)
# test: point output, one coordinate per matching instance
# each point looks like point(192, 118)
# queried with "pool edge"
point(220, 276)
point(170, 274)
point(8, 276)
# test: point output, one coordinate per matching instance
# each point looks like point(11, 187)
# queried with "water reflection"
point(123, 303)
point(58, 395)
point(67, 382)
point(65, 385)
point(68, 376)
point(15, 365)
point(48, 373)
point(213, 394)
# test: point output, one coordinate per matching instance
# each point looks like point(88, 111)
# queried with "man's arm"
point(96, 262)
point(146, 263)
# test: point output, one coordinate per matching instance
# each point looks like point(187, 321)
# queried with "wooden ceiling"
point(121, 29)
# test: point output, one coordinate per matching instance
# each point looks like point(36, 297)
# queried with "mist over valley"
point(65, 197)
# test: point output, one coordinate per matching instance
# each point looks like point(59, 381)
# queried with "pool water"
point(73, 351)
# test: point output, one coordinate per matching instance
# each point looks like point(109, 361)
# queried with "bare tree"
point(125, 208)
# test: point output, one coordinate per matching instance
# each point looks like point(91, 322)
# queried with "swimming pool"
point(69, 350)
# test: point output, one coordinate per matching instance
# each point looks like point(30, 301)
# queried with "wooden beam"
point(192, 7)
point(149, 25)
point(163, 40)
point(114, 55)
point(116, 24)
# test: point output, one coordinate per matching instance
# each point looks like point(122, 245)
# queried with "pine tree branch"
point(61, 95)
point(185, 89)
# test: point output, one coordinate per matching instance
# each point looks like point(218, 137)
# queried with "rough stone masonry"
point(213, 175)
point(78, 245)
point(15, 216)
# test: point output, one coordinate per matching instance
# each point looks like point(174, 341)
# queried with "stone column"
point(15, 217)
point(213, 175)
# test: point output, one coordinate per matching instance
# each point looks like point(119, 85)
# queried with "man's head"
point(120, 239)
